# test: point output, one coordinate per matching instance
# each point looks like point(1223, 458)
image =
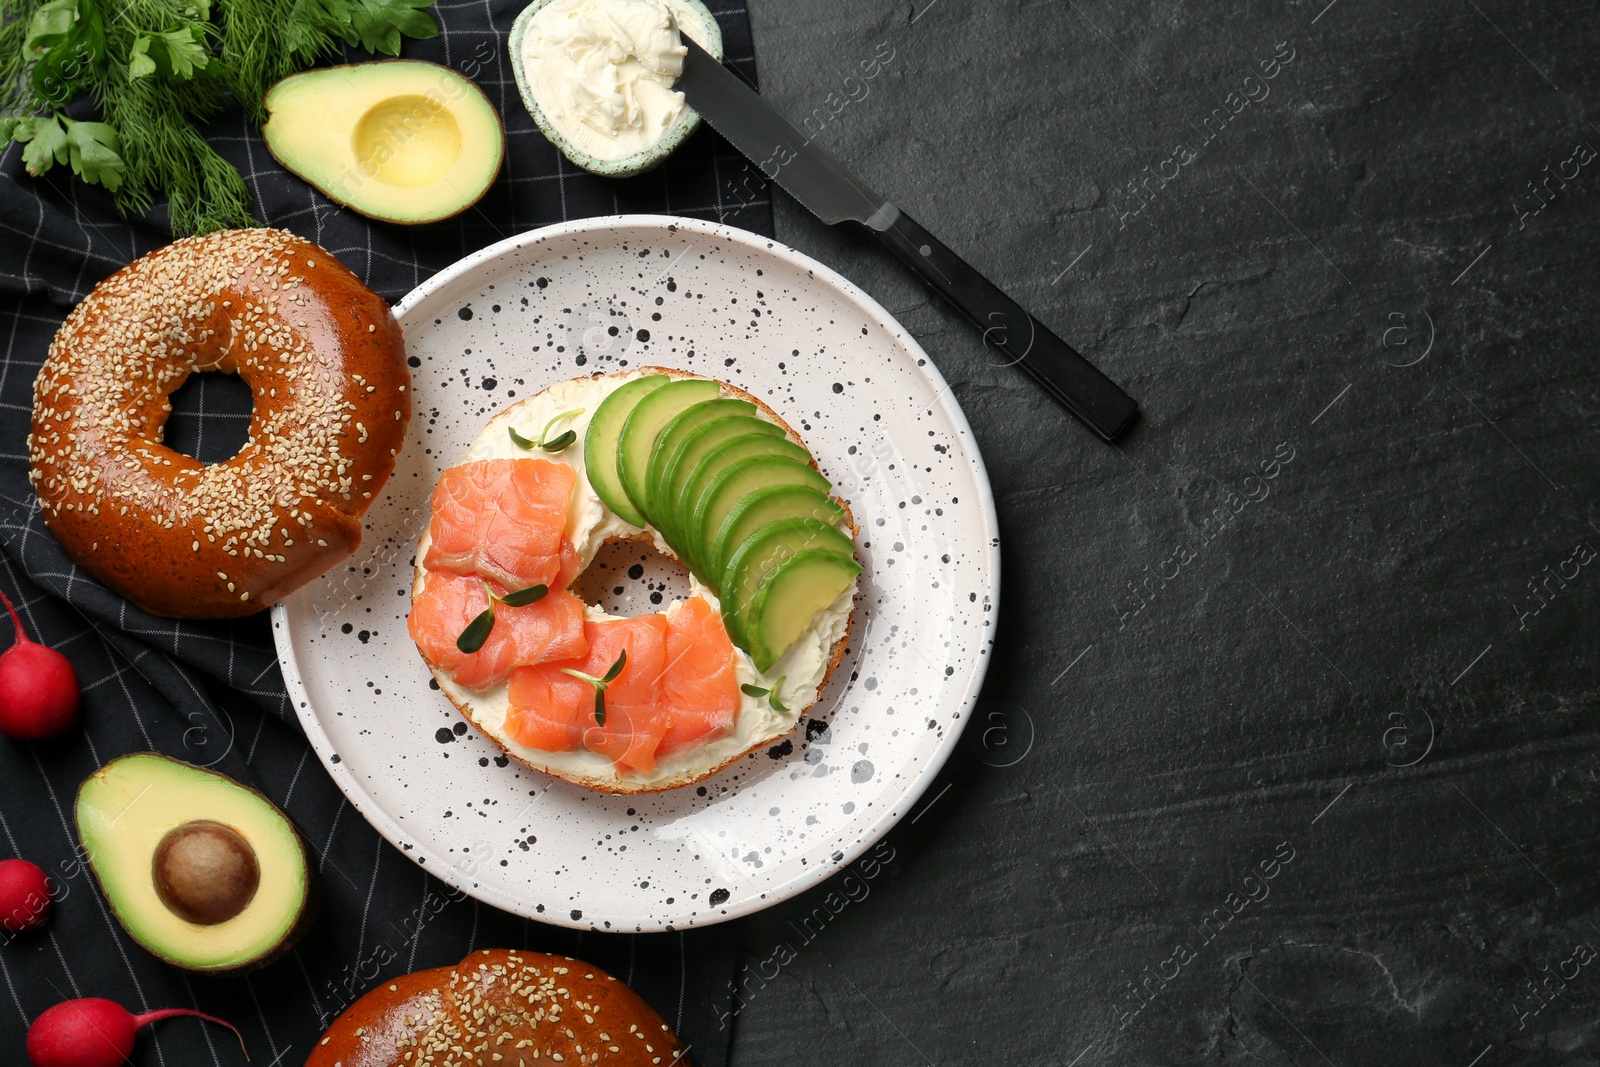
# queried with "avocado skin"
point(310, 905)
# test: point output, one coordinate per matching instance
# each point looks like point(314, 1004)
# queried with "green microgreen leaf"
point(561, 442)
point(772, 699)
point(753, 690)
point(600, 684)
point(519, 440)
point(523, 597)
point(477, 631)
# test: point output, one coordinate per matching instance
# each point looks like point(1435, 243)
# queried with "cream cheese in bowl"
point(597, 77)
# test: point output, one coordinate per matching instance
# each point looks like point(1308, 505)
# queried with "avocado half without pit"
point(399, 140)
point(204, 872)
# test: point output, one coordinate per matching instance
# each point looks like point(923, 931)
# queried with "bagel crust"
point(325, 362)
point(500, 1006)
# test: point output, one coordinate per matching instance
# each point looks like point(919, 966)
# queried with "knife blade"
point(834, 195)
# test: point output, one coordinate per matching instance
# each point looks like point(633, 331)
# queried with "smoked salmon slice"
point(699, 686)
point(503, 519)
point(546, 707)
point(552, 628)
point(554, 712)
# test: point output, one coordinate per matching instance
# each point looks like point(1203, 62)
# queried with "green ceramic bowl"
point(627, 166)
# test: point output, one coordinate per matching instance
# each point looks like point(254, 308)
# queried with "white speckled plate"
point(600, 295)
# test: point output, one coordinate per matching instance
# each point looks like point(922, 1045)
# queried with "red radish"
point(94, 1032)
point(24, 896)
point(38, 687)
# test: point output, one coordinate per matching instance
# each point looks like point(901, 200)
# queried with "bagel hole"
point(210, 417)
point(629, 578)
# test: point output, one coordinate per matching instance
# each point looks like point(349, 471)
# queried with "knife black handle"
point(1011, 332)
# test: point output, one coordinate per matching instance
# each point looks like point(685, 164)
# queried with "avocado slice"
point(727, 483)
point(709, 436)
point(789, 599)
point(760, 556)
point(204, 872)
point(400, 140)
point(645, 422)
point(675, 434)
point(600, 443)
point(761, 507)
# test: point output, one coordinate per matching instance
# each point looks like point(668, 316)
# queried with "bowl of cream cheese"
point(597, 77)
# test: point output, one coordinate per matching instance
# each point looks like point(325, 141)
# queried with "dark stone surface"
point(1346, 666)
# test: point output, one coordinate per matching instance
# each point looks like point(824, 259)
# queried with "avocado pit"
point(205, 872)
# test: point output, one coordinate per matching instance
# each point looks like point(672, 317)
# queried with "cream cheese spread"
point(601, 71)
point(589, 525)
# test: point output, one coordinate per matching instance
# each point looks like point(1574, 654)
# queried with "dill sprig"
point(155, 70)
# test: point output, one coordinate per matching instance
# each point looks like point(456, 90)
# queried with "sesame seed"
point(198, 304)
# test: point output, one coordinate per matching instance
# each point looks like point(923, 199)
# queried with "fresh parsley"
point(157, 69)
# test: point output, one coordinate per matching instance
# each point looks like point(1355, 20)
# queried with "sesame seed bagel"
point(325, 361)
point(758, 724)
point(500, 1007)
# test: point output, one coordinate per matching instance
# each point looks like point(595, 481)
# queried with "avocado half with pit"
point(703, 29)
point(204, 872)
point(400, 140)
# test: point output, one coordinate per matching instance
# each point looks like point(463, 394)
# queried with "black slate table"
point(1288, 753)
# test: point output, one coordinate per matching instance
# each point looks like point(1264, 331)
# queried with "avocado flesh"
point(669, 443)
point(602, 439)
point(761, 507)
point(731, 482)
point(709, 436)
point(790, 598)
point(645, 423)
point(400, 140)
point(128, 806)
point(760, 556)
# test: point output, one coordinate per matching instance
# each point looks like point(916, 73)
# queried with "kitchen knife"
point(834, 195)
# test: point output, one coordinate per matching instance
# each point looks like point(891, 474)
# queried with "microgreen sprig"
point(770, 694)
point(477, 631)
point(601, 684)
point(558, 443)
